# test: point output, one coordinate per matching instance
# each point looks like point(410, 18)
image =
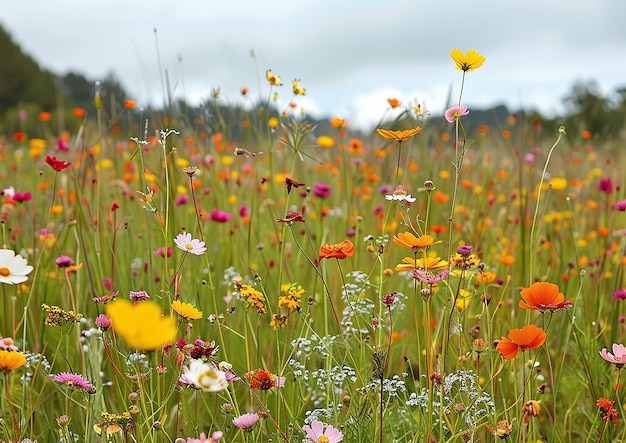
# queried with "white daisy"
point(13, 268)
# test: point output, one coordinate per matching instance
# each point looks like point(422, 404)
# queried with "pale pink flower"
point(246, 421)
point(74, 381)
point(316, 432)
point(187, 244)
point(455, 113)
point(618, 356)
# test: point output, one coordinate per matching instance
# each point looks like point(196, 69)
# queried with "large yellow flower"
point(400, 135)
point(467, 62)
point(142, 325)
point(186, 310)
point(428, 263)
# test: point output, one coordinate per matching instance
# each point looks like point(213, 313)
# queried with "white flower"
point(9, 192)
point(205, 376)
point(13, 268)
point(400, 195)
point(185, 242)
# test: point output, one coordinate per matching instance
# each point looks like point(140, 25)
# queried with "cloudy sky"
point(350, 55)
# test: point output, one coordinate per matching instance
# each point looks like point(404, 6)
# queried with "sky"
point(350, 55)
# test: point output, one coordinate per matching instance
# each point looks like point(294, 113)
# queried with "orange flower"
point(393, 102)
point(410, 241)
point(400, 135)
point(543, 296)
point(529, 337)
point(338, 250)
point(44, 116)
point(79, 112)
point(130, 104)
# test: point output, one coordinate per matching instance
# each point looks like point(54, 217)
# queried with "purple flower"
point(74, 381)
point(64, 261)
point(244, 211)
point(384, 189)
point(464, 249)
point(455, 113)
point(321, 190)
point(246, 421)
point(605, 185)
point(620, 294)
point(220, 216)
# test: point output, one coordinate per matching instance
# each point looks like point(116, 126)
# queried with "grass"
point(372, 351)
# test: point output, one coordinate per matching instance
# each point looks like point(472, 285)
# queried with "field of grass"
point(416, 284)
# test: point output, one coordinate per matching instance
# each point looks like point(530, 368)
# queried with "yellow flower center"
point(322, 439)
point(188, 246)
point(5, 272)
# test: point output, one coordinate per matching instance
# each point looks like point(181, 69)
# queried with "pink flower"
point(181, 200)
point(220, 216)
point(103, 322)
point(455, 113)
point(620, 294)
point(605, 185)
point(321, 190)
point(619, 206)
point(618, 356)
point(246, 421)
point(138, 295)
point(316, 432)
point(202, 438)
point(184, 242)
point(74, 381)
point(163, 252)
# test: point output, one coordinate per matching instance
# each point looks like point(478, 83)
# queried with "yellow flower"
point(142, 326)
point(427, 263)
point(186, 310)
point(296, 88)
point(467, 62)
point(273, 122)
point(410, 241)
point(398, 135)
point(273, 80)
point(10, 360)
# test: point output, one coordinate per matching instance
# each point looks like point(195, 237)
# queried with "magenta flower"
point(103, 322)
point(74, 381)
point(620, 294)
point(181, 200)
point(618, 356)
point(138, 295)
point(184, 242)
point(246, 421)
point(316, 433)
point(321, 190)
point(455, 113)
point(430, 277)
point(164, 252)
point(22, 197)
point(215, 436)
point(220, 216)
point(62, 145)
point(619, 206)
point(605, 185)
point(64, 261)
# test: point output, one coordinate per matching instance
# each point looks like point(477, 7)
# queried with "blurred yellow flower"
point(558, 183)
point(469, 61)
point(273, 122)
point(325, 141)
point(273, 80)
point(296, 88)
point(142, 325)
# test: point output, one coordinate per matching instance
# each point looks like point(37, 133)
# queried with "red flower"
point(338, 250)
point(57, 165)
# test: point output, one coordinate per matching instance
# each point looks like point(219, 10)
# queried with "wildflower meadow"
point(258, 279)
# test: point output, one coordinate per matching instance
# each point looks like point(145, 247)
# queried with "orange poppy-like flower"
point(410, 241)
point(337, 250)
point(399, 135)
point(528, 337)
point(543, 296)
point(393, 102)
point(130, 104)
point(410, 264)
point(10, 360)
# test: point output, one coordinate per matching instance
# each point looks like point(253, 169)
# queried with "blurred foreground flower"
point(318, 434)
point(141, 325)
point(56, 164)
point(13, 267)
point(469, 61)
point(528, 337)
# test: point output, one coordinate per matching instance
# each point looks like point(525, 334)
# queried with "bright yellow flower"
point(186, 310)
point(273, 80)
point(410, 241)
point(142, 326)
point(10, 360)
point(467, 62)
point(411, 264)
point(400, 135)
point(296, 88)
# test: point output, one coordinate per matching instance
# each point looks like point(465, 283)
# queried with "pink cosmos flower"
point(185, 242)
point(215, 436)
point(316, 432)
point(455, 113)
point(74, 381)
point(618, 356)
point(246, 421)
